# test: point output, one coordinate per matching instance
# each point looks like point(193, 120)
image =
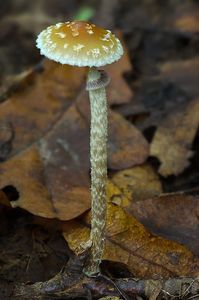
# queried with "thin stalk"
point(98, 157)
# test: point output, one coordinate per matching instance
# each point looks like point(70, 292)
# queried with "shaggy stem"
point(98, 157)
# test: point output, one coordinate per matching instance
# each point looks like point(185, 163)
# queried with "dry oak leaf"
point(172, 141)
point(48, 162)
point(140, 182)
point(128, 242)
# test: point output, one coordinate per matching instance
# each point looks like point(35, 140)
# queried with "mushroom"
point(79, 43)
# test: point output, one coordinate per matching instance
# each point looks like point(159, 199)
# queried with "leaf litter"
point(41, 144)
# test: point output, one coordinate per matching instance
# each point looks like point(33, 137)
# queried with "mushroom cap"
point(79, 43)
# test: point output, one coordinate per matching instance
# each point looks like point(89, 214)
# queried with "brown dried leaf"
point(126, 144)
point(173, 139)
point(56, 181)
point(35, 109)
point(173, 216)
point(33, 113)
point(25, 173)
point(127, 241)
point(51, 144)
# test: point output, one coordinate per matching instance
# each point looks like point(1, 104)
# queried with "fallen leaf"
point(51, 144)
point(138, 183)
point(34, 110)
point(31, 114)
point(173, 216)
point(27, 178)
point(172, 141)
point(127, 145)
point(128, 242)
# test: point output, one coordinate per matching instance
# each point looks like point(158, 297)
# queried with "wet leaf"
point(172, 141)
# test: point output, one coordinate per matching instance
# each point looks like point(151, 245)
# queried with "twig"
point(72, 282)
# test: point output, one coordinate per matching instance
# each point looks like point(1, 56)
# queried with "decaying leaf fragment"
point(173, 139)
point(127, 241)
